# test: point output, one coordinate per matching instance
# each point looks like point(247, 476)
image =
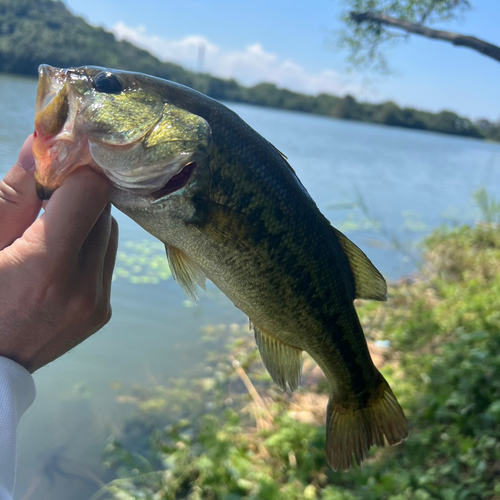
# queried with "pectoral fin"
point(186, 272)
point(369, 283)
point(283, 362)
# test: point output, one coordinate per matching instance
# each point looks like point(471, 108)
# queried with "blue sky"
point(289, 43)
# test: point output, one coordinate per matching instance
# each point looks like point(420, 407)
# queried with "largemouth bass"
point(229, 208)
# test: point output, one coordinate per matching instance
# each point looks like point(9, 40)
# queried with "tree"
point(371, 24)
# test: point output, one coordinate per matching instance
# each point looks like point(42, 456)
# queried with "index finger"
point(72, 212)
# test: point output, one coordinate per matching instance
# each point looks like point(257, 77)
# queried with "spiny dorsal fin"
point(282, 155)
point(369, 283)
point(284, 158)
point(283, 362)
point(186, 272)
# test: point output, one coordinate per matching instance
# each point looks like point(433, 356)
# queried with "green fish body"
point(232, 210)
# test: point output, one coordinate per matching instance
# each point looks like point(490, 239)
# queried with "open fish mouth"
point(50, 82)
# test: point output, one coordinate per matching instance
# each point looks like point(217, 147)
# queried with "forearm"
point(17, 392)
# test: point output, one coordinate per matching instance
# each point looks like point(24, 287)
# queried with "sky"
point(293, 44)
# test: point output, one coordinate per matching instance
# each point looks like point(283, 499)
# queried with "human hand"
point(55, 271)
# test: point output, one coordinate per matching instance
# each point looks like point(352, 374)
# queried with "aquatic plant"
point(142, 261)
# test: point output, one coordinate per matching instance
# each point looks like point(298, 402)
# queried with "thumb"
point(19, 203)
point(72, 212)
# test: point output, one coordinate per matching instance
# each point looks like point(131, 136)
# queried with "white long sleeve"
point(17, 393)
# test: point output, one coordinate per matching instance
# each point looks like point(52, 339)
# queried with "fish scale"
point(229, 207)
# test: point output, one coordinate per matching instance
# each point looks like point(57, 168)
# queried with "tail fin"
point(351, 432)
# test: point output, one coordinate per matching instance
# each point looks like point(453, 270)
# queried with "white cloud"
point(249, 65)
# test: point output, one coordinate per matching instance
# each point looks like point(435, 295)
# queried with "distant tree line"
point(45, 31)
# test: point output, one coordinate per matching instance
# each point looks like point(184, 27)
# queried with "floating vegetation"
point(356, 221)
point(142, 262)
point(413, 222)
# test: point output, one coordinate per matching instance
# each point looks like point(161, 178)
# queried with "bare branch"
point(471, 42)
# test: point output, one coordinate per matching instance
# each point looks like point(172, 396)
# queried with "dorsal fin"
point(283, 362)
point(284, 158)
point(185, 271)
point(282, 155)
point(368, 282)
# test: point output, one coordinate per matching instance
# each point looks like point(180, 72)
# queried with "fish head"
point(123, 125)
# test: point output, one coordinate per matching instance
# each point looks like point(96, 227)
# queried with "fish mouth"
point(54, 144)
point(177, 182)
point(50, 83)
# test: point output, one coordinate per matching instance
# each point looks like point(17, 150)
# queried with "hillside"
point(45, 31)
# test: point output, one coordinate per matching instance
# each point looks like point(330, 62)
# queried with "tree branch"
point(471, 42)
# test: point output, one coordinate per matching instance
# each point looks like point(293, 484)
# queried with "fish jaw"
point(55, 160)
point(57, 150)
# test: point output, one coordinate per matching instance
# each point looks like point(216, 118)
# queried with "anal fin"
point(283, 362)
point(186, 272)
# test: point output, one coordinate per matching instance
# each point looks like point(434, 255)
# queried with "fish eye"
point(107, 83)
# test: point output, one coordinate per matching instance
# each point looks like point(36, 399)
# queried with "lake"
point(386, 188)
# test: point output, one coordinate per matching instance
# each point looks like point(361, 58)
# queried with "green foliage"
point(365, 41)
point(208, 439)
point(490, 209)
point(44, 31)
